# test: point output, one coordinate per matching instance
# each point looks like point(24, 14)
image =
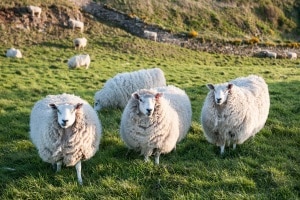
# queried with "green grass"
point(265, 167)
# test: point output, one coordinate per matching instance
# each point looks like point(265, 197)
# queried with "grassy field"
point(265, 167)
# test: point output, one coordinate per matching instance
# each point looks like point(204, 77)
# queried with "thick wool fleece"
point(78, 142)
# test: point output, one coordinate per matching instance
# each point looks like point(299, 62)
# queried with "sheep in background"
point(79, 60)
point(271, 54)
point(75, 24)
point(150, 35)
point(117, 91)
point(14, 53)
point(234, 111)
point(65, 130)
point(80, 43)
point(155, 120)
point(292, 55)
point(35, 11)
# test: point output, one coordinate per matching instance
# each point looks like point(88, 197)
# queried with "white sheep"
point(80, 43)
point(65, 130)
point(155, 120)
point(79, 60)
point(150, 35)
point(75, 24)
point(234, 111)
point(117, 91)
point(35, 11)
point(271, 54)
point(292, 55)
point(14, 53)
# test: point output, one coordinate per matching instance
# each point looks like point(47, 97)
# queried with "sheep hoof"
point(146, 159)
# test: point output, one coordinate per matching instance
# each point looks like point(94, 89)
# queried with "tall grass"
point(265, 167)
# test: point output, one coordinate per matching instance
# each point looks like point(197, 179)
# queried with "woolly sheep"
point(79, 60)
point(150, 35)
point(292, 55)
point(14, 53)
point(80, 43)
point(117, 91)
point(75, 24)
point(155, 120)
point(234, 111)
point(65, 130)
point(35, 11)
point(271, 54)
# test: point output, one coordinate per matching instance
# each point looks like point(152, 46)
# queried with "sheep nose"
point(149, 110)
point(65, 121)
point(219, 100)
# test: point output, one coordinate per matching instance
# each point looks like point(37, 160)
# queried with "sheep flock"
point(66, 129)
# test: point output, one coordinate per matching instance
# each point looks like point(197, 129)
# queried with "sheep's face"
point(97, 105)
point(220, 92)
point(66, 113)
point(147, 102)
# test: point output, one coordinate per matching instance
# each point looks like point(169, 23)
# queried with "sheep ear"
point(210, 86)
point(78, 106)
point(229, 86)
point(53, 106)
point(158, 95)
point(136, 96)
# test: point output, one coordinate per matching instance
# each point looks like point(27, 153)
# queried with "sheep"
point(234, 111)
point(79, 60)
point(150, 35)
point(14, 53)
point(80, 43)
point(271, 54)
point(292, 55)
point(65, 130)
point(75, 24)
point(35, 11)
point(155, 120)
point(117, 91)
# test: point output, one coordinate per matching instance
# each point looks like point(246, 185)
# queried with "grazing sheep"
point(234, 111)
point(155, 120)
point(14, 53)
point(117, 91)
point(271, 54)
point(35, 11)
point(150, 35)
point(75, 24)
point(79, 60)
point(292, 55)
point(65, 130)
point(80, 43)
point(261, 54)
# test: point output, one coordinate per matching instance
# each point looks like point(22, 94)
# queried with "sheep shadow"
point(56, 45)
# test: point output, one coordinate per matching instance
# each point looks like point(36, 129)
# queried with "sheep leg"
point(58, 166)
point(78, 171)
point(234, 146)
point(222, 149)
point(157, 158)
point(146, 159)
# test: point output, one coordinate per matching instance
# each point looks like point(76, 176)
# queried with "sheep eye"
point(140, 100)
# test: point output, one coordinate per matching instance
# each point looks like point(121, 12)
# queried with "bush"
point(193, 34)
point(253, 40)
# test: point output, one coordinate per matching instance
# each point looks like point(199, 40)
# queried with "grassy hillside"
point(264, 167)
point(268, 20)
